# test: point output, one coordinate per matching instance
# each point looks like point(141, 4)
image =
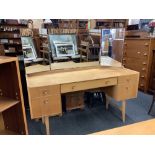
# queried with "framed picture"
point(63, 45)
point(28, 48)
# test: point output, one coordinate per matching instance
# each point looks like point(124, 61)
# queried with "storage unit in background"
point(138, 56)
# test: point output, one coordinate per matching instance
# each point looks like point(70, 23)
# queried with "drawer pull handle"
point(106, 82)
point(145, 54)
point(144, 63)
point(142, 85)
point(45, 92)
point(146, 44)
point(73, 87)
point(143, 69)
point(127, 80)
point(142, 76)
point(46, 101)
point(138, 52)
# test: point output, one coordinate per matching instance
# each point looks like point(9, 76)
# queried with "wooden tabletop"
point(141, 128)
point(70, 65)
point(76, 76)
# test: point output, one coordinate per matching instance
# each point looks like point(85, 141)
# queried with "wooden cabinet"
point(11, 39)
point(45, 101)
point(12, 112)
point(125, 89)
point(138, 56)
point(74, 100)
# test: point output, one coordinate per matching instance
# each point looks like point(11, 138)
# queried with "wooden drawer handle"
point(73, 87)
point(142, 85)
point(106, 82)
point(142, 76)
point(145, 54)
point(146, 44)
point(45, 92)
point(138, 52)
point(127, 80)
point(143, 69)
point(45, 101)
point(144, 63)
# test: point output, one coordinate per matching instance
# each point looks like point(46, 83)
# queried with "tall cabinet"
point(12, 112)
point(138, 56)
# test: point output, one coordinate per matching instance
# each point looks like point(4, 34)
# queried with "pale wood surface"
point(71, 65)
point(108, 61)
point(141, 128)
point(77, 76)
point(6, 103)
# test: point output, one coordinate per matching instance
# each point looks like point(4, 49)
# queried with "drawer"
point(71, 87)
point(128, 79)
point(45, 106)
point(139, 65)
point(136, 48)
point(44, 91)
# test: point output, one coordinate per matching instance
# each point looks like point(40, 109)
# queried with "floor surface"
point(94, 119)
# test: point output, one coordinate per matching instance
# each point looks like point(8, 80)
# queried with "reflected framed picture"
point(28, 48)
point(63, 45)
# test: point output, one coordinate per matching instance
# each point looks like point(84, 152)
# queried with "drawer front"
point(122, 91)
point(128, 79)
point(51, 105)
point(71, 87)
point(136, 48)
point(44, 91)
point(45, 106)
point(139, 65)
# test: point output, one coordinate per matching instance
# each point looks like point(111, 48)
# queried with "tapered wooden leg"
point(107, 102)
point(47, 125)
point(43, 120)
point(123, 110)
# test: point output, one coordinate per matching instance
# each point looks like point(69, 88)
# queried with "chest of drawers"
point(138, 56)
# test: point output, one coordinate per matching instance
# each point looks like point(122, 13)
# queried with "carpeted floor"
point(97, 118)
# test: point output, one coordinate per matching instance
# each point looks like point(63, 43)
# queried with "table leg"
point(123, 107)
point(43, 120)
point(107, 102)
point(47, 125)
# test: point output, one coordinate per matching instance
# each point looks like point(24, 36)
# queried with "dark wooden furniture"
point(138, 55)
point(10, 38)
point(12, 118)
point(88, 52)
point(111, 23)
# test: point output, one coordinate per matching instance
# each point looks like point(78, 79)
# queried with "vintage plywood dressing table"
point(45, 87)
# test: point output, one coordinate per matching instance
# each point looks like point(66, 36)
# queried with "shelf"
point(12, 44)
point(10, 37)
point(6, 103)
point(13, 25)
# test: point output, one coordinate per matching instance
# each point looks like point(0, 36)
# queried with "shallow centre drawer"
point(77, 86)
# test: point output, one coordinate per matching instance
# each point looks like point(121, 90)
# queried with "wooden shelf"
point(6, 103)
point(13, 25)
